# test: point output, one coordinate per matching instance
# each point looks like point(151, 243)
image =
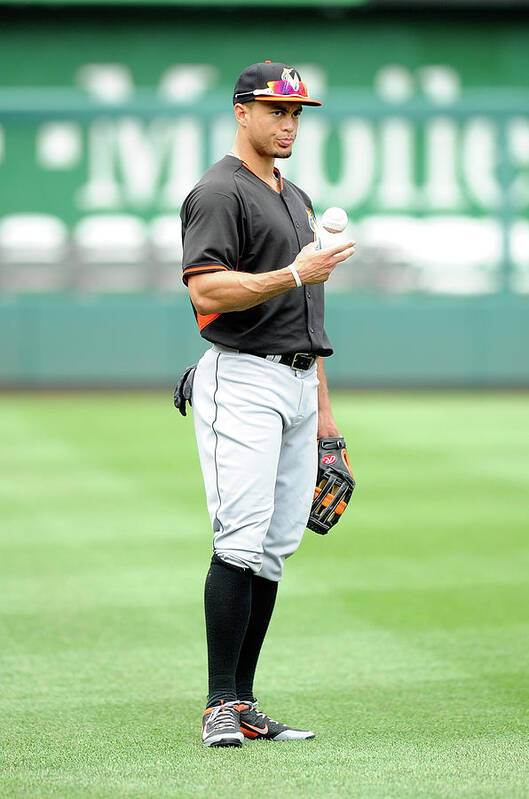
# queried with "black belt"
point(296, 360)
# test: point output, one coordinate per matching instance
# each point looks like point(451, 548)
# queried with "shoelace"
point(216, 721)
point(253, 706)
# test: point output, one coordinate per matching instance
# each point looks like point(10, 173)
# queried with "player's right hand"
point(315, 266)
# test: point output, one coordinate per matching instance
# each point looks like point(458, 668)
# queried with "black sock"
point(263, 600)
point(227, 602)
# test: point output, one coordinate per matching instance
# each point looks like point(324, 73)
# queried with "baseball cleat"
point(220, 725)
point(257, 725)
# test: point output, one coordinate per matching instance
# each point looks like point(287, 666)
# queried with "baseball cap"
point(270, 81)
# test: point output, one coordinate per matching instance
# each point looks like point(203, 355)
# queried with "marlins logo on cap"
point(290, 75)
point(271, 81)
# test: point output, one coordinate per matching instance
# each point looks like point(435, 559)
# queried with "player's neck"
point(262, 166)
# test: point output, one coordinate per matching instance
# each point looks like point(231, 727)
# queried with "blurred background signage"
point(423, 139)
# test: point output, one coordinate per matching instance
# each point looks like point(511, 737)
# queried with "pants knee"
point(247, 561)
point(272, 568)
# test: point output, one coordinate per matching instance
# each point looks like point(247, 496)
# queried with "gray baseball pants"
point(256, 426)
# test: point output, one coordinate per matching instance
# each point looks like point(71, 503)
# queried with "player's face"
point(272, 128)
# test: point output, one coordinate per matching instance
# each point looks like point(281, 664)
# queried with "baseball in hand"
point(334, 220)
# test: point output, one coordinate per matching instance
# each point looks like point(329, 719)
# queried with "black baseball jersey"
point(233, 220)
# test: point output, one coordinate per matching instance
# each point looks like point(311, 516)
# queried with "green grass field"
point(402, 638)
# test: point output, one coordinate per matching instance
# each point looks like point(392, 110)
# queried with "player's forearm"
point(327, 426)
point(221, 292)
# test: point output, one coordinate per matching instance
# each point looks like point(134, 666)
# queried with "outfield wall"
point(378, 341)
point(423, 138)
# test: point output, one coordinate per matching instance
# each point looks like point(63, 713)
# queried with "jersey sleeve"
point(210, 233)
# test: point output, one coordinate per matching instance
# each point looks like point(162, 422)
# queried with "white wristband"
point(295, 274)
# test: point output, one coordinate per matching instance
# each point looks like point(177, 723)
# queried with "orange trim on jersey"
point(190, 270)
point(206, 319)
point(251, 170)
point(276, 172)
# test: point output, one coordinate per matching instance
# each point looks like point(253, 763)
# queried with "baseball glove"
point(334, 485)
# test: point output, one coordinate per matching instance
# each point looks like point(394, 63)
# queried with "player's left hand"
point(334, 485)
point(327, 427)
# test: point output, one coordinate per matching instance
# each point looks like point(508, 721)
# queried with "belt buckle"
point(302, 361)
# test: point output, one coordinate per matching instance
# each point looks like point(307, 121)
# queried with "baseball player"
point(259, 394)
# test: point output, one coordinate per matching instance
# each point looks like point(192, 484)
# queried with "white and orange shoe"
point(257, 725)
point(220, 725)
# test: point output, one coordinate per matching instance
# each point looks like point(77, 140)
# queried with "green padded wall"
point(448, 84)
